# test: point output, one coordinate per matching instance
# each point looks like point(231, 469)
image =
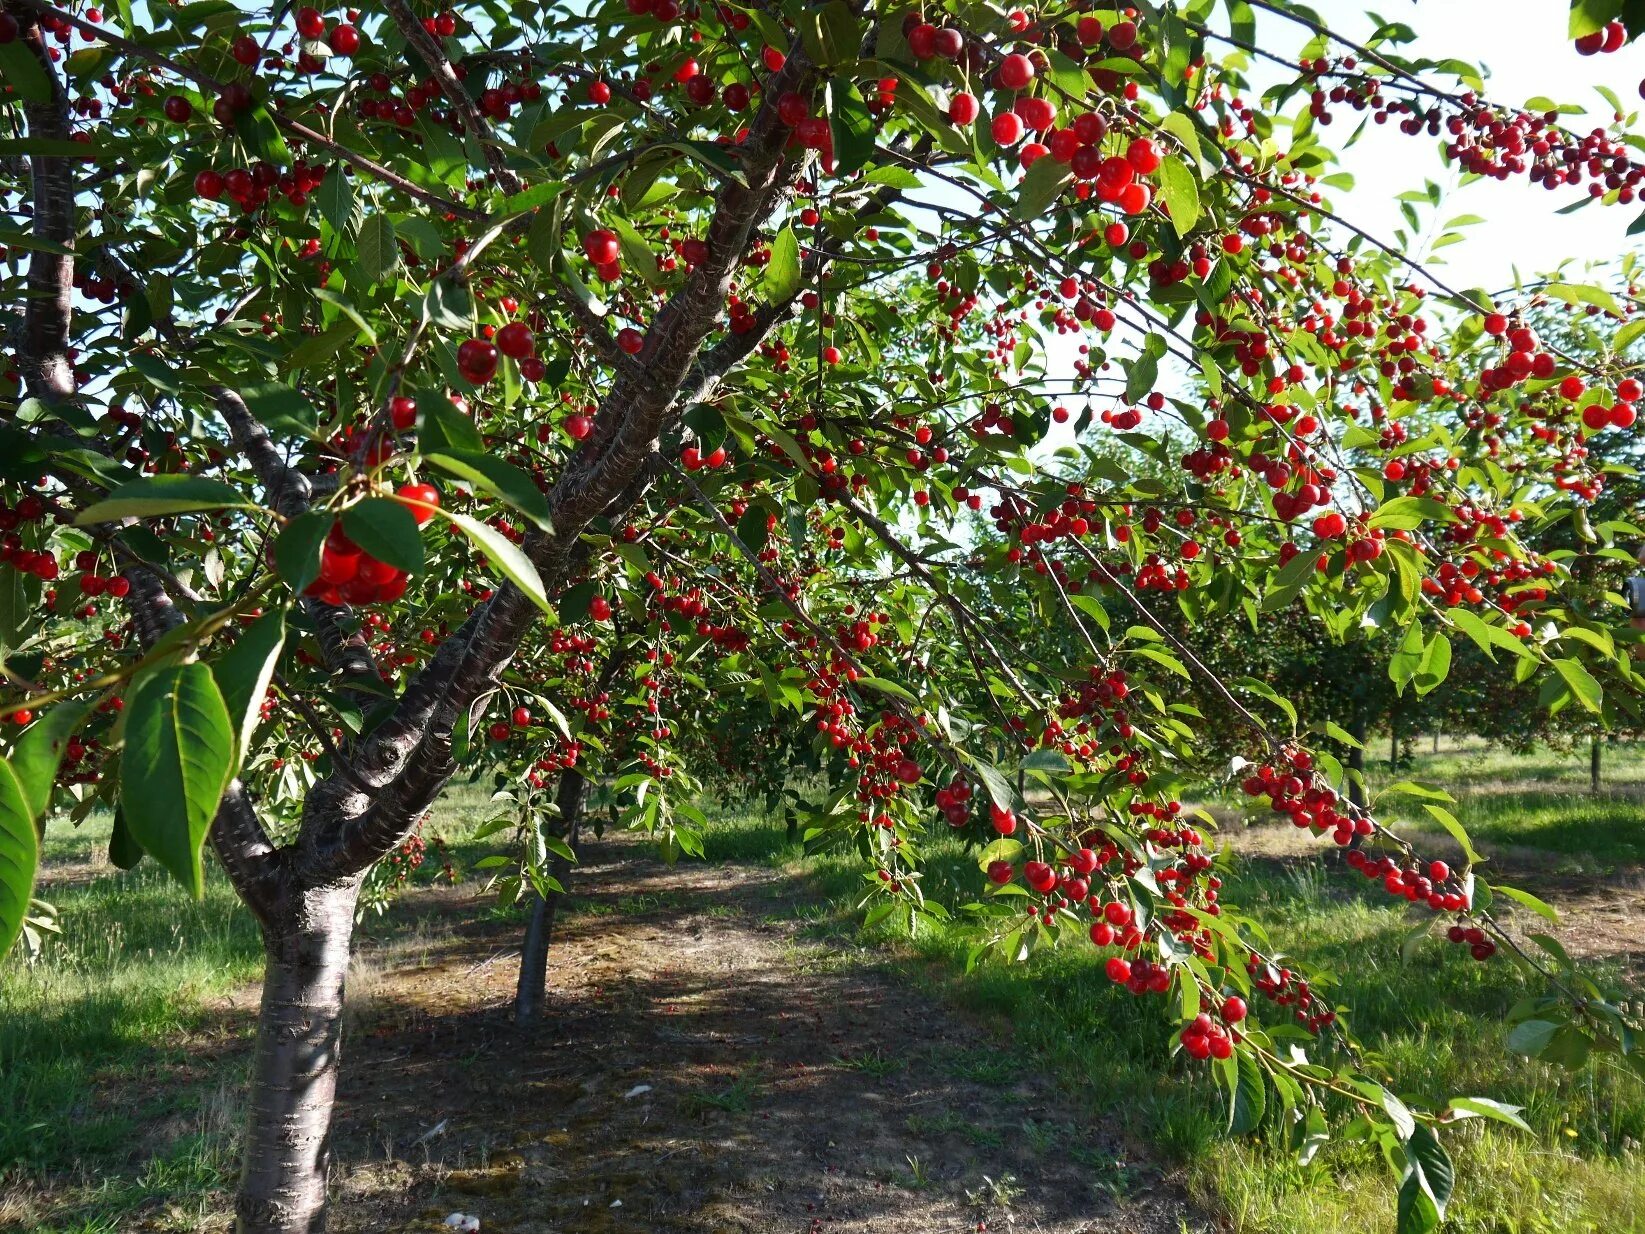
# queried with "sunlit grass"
point(1434, 1024)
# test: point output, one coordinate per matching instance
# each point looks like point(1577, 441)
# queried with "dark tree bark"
point(287, 1152)
point(539, 930)
point(1356, 760)
point(1593, 765)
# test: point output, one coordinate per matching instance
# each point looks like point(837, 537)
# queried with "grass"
point(127, 1001)
point(1433, 1022)
point(1539, 800)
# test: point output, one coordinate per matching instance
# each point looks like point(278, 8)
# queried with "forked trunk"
point(294, 1075)
point(539, 930)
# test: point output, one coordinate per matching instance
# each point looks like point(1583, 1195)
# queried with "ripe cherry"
point(578, 426)
point(477, 360)
point(419, 498)
point(1016, 71)
point(516, 340)
point(602, 246)
point(177, 108)
point(309, 23)
point(963, 108)
point(522, 717)
point(344, 40)
point(599, 608)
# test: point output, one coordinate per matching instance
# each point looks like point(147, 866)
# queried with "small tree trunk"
point(539, 930)
point(1593, 765)
point(1356, 761)
point(294, 1069)
point(1436, 741)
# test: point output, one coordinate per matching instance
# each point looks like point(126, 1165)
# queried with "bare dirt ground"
point(704, 1066)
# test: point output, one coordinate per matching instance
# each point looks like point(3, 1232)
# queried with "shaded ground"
point(704, 1067)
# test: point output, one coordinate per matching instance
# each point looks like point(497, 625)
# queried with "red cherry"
point(402, 411)
point(344, 40)
point(630, 340)
point(177, 108)
point(599, 608)
point(1016, 71)
point(963, 108)
point(599, 93)
point(516, 340)
point(309, 23)
point(500, 731)
point(477, 360)
point(419, 497)
point(522, 717)
point(579, 426)
point(208, 184)
point(602, 246)
point(1233, 1009)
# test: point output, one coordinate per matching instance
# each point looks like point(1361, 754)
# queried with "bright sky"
point(1524, 49)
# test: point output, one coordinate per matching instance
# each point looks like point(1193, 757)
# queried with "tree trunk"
point(1356, 760)
point(1593, 765)
point(539, 930)
point(294, 1071)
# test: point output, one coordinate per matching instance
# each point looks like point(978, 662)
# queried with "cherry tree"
point(927, 374)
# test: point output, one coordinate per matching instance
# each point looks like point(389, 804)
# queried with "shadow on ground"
point(704, 1066)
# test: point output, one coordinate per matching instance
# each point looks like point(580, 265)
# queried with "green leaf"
point(297, 549)
point(1584, 293)
point(1531, 1037)
point(244, 671)
point(261, 134)
point(782, 273)
point(1002, 849)
point(830, 33)
point(1039, 188)
point(1246, 1098)
point(336, 198)
point(1180, 193)
point(1435, 665)
point(636, 252)
point(1458, 833)
point(153, 496)
point(509, 560)
point(387, 530)
point(378, 249)
point(281, 407)
point(442, 428)
point(1539, 907)
point(852, 126)
point(1409, 513)
point(1407, 661)
point(509, 484)
point(1591, 16)
point(1484, 1107)
point(887, 687)
point(39, 751)
point(23, 72)
point(124, 851)
point(177, 760)
point(1429, 1181)
point(1581, 682)
point(19, 856)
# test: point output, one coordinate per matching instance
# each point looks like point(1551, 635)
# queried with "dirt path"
point(704, 1067)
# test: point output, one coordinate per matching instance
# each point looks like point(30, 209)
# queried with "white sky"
point(1523, 48)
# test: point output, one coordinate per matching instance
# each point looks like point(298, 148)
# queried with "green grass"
point(101, 1039)
point(1434, 1022)
point(1540, 800)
